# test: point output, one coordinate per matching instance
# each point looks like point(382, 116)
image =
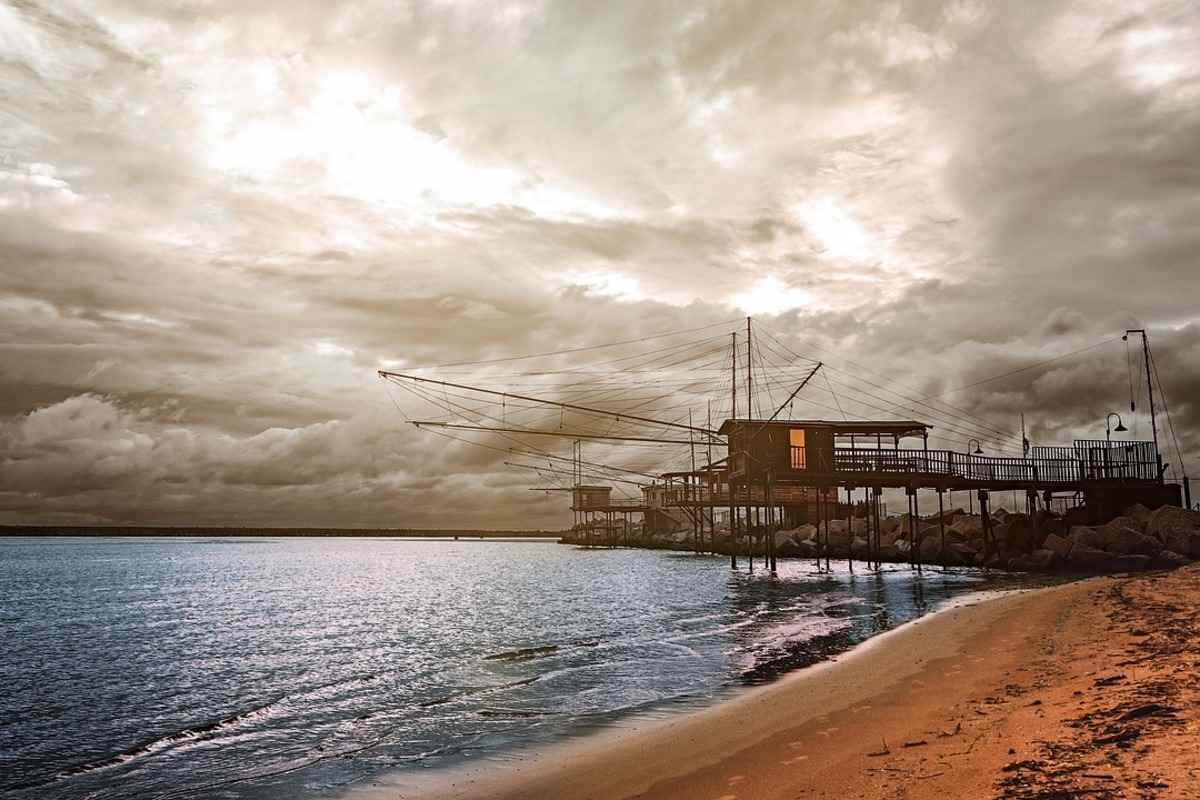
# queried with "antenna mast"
point(749, 375)
point(1150, 389)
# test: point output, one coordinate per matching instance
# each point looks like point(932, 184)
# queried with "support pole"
point(867, 523)
point(746, 445)
point(690, 491)
point(850, 529)
point(912, 528)
point(817, 526)
point(986, 519)
point(729, 462)
point(828, 513)
point(917, 527)
point(770, 528)
point(749, 522)
point(942, 524)
point(1031, 501)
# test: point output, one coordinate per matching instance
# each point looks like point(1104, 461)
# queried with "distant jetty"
point(181, 531)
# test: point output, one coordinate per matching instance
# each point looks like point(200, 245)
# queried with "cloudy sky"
point(219, 219)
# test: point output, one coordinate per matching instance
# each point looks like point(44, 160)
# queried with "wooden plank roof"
point(857, 427)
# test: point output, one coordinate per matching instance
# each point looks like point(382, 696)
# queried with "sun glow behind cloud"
point(356, 137)
point(838, 234)
point(770, 295)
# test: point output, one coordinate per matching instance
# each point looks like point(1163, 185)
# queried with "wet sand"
point(1087, 689)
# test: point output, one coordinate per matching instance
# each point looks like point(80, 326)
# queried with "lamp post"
point(1108, 428)
point(1108, 431)
point(978, 451)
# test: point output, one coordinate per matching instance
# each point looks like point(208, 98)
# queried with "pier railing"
point(1062, 465)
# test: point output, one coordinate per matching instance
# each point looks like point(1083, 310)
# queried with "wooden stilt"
point(917, 527)
point(770, 529)
point(986, 519)
point(828, 512)
point(850, 527)
point(749, 530)
point(911, 533)
point(942, 524)
point(732, 528)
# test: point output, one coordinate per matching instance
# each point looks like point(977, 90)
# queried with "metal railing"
point(1041, 471)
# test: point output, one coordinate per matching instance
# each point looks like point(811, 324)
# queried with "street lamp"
point(1108, 429)
point(978, 451)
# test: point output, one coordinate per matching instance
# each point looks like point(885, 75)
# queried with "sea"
point(300, 667)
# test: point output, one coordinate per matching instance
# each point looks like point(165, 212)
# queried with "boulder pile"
point(1164, 538)
point(1139, 539)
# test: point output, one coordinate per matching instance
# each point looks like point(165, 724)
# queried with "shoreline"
point(605, 763)
point(1004, 696)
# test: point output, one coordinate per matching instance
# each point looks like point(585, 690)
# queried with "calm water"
point(271, 668)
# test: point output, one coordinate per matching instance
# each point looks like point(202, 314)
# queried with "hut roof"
point(857, 427)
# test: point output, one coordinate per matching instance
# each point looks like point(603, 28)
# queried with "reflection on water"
point(263, 668)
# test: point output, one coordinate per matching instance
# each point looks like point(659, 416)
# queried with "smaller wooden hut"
point(591, 498)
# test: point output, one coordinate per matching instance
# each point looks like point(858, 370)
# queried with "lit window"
point(799, 457)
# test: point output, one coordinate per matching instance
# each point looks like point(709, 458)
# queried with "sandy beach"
point(1086, 689)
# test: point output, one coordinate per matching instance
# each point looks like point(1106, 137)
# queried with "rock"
point(968, 527)
point(1170, 559)
point(838, 527)
point(1177, 528)
point(1184, 542)
point(1127, 541)
point(1092, 560)
point(1051, 524)
point(1130, 563)
point(1016, 533)
point(1044, 559)
point(954, 536)
point(964, 552)
point(1095, 538)
point(1058, 545)
point(901, 546)
point(1126, 521)
point(1086, 557)
point(1021, 564)
point(1138, 512)
point(930, 547)
point(894, 524)
point(804, 532)
point(787, 549)
point(928, 529)
point(807, 547)
point(860, 544)
point(839, 538)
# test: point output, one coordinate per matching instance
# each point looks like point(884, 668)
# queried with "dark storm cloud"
point(216, 225)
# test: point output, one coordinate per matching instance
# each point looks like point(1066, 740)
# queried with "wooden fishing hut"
point(601, 518)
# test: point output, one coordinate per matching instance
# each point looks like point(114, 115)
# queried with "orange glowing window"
point(796, 439)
